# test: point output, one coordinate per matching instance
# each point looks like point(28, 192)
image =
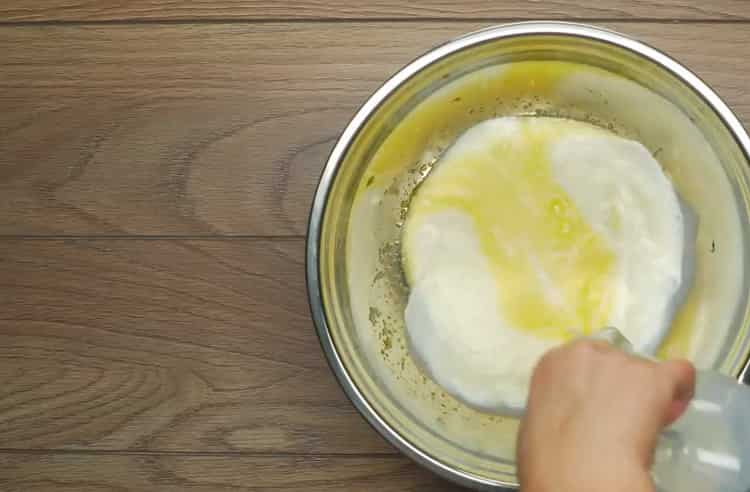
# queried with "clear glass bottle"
point(708, 448)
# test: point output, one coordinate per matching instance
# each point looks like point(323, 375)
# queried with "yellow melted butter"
point(455, 107)
point(526, 224)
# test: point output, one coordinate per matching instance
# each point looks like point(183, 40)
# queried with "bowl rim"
point(355, 125)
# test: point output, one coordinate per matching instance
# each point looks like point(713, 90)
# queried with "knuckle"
point(547, 366)
point(586, 350)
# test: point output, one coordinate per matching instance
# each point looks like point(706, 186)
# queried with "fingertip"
point(681, 374)
point(683, 377)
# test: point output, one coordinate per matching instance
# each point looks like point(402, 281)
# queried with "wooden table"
point(157, 161)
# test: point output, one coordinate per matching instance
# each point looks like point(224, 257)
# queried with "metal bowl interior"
point(357, 292)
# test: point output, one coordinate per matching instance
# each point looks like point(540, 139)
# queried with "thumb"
point(681, 377)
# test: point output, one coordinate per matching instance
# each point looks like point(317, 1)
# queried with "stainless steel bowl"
point(355, 285)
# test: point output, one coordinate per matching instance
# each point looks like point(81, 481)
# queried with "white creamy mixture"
point(528, 233)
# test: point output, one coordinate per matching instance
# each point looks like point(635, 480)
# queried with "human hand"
point(593, 416)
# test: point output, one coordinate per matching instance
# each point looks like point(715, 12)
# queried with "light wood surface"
point(98, 10)
point(157, 161)
point(220, 129)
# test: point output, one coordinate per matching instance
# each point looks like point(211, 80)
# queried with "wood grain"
point(72, 472)
point(138, 355)
point(166, 345)
point(99, 10)
point(219, 129)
